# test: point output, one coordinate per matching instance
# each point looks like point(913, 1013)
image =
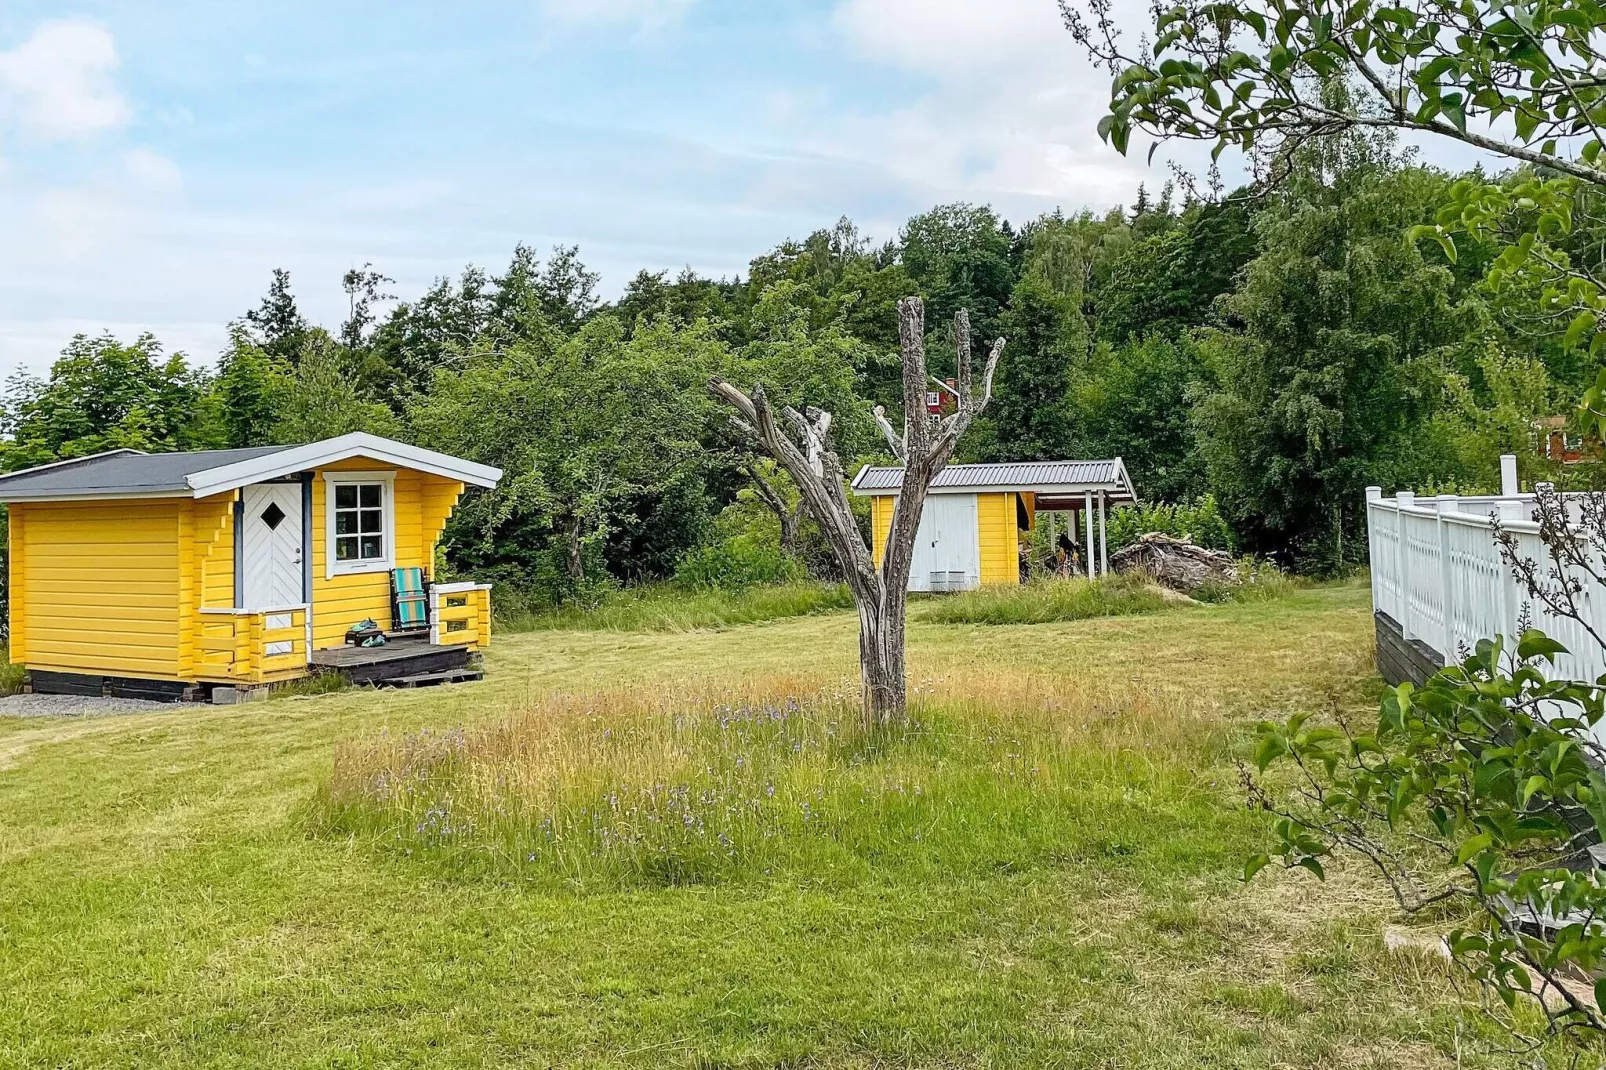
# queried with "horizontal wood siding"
point(1000, 548)
point(100, 586)
point(422, 505)
point(881, 524)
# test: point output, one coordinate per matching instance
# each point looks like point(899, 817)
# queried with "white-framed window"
point(359, 522)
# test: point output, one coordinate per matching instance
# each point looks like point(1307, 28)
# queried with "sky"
point(159, 158)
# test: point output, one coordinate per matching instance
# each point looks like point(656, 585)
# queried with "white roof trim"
point(357, 444)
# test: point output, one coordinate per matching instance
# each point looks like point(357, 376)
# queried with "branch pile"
point(1179, 564)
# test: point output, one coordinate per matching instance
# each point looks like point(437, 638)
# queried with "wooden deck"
point(403, 656)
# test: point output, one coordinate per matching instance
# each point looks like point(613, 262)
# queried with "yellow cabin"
point(165, 575)
point(970, 529)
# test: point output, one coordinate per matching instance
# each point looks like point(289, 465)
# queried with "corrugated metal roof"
point(1066, 476)
point(122, 472)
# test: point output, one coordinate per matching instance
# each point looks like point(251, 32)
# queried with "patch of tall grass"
point(668, 608)
point(1258, 581)
point(777, 780)
point(12, 677)
point(1044, 600)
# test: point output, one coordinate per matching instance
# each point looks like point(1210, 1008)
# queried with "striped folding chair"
point(409, 601)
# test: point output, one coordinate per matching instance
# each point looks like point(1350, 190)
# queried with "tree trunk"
point(882, 677)
point(790, 517)
point(790, 522)
point(576, 564)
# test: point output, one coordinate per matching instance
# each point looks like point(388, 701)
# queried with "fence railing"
point(254, 645)
point(460, 614)
point(1437, 570)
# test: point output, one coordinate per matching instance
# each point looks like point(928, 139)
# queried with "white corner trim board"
point(387, 560)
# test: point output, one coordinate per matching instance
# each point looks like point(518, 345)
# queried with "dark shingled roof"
point(123, 472)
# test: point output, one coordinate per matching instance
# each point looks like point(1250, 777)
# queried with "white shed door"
point(271, 552)
point(947, 545)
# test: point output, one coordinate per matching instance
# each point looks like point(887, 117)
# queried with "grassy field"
point(664, 608)
point(202, 887)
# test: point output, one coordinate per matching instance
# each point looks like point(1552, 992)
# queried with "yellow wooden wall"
point(95, 587)
point(1000, 548)
point(880, 525)
point(423, 503)
point(999, 537)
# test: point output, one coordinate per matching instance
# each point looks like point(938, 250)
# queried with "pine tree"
point(280, 328)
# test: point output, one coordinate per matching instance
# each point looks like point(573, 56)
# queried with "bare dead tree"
point(924, 448)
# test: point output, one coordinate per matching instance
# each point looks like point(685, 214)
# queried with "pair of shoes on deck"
point(366, 633)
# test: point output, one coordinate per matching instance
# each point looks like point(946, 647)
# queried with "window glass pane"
point(346, 548)
point(345, 523)
point(371, 547)
point(370, 520)
point(370, 495)
point(345, 496)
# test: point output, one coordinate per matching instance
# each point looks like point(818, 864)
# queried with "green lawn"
point(171, 892)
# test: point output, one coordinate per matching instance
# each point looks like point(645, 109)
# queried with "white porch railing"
point(1437, 571)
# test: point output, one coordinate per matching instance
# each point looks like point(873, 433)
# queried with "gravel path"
point(76, 706)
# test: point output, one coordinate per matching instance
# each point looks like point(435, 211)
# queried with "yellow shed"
point(164, 574)
point(969, 533)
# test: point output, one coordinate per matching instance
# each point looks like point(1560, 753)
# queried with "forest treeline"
point(1274, 350)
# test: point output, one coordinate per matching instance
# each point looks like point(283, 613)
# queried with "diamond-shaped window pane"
point(272, 516)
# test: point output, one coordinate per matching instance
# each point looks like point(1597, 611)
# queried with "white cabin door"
point(271, 552)
point(947, 545)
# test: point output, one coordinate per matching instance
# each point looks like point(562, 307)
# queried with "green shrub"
point(1200, 521)
point(1045, 600)
point(736, 563)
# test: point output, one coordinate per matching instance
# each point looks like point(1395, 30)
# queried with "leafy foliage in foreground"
point(1483, 789)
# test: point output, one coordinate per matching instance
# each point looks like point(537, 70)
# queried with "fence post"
point(1403, 500)
point(1374, 495)
point(1509, 487)
point(1510, 512)
point(1448, 503)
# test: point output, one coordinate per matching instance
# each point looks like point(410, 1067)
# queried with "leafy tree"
point(1340, 318)
point(1267, 77)
point(322, 400)
point(1032, 417)
point(530, 297)
point(583, 430)
point(103, 395)
point(280, 328)
point(364, 288)
point(252, 389)
point(1169, 282)
point(960, 256)
point(1137, 402)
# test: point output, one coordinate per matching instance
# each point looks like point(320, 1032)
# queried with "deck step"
point(432, 679)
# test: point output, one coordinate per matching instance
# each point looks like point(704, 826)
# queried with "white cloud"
point(949, 37)
point(58, 83)
point(1006, 104)
point(646, 13)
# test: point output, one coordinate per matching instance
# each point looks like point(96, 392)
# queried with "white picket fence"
point(1437, 570)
